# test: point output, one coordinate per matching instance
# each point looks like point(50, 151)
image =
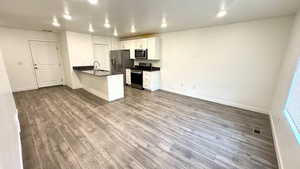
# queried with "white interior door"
point(101, 54)
point(47, 65)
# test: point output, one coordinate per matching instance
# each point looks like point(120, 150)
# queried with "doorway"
point(46, 62)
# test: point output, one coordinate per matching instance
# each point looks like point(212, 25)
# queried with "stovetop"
point(145, 68)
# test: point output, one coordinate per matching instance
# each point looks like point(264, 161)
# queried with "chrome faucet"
point(96, 65)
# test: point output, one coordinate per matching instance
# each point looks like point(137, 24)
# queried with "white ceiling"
point(145, 14)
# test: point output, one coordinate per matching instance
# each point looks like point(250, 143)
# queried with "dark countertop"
point(99, 73)
point(83, 67)
point(89, 70)
point(150, 69)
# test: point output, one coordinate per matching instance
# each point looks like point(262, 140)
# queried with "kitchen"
point(119, 84)
point(133, 60)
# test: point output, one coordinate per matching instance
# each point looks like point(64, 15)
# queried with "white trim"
point(222, 101)
point(59, 58)
point(276, 144)
point(24, 89)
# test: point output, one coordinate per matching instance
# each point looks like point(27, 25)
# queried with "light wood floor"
point(71, 129)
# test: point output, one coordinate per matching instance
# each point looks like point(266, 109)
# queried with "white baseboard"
point(276, 145)
point(221, 101)
point(24, 89)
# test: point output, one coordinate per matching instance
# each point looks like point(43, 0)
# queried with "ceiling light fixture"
point(55, 22)
point(67, 15)
point(222, 13)
point(115, 32)
point(133, 30)
point(93, 2)
point(106, 24)
point(164, 23)
point(91, 29)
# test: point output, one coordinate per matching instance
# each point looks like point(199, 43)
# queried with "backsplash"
point(155, 63)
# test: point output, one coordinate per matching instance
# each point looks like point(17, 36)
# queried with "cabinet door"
point(140, 44)
point(132, 48)
point(153, 46)
point(144, 44)
point(128, 76)
point(151, 80)
point(147, 80)
point(123, 44)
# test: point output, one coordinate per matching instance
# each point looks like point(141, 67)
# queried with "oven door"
point(141, 54)
point(137, 79)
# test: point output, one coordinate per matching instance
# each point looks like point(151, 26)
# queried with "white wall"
point(234, 64)
point(112, 42)
point(288, 150)
point(10, 145)
point(78, 52)
point(80, 48)
point(65, 58)
point(17, 56)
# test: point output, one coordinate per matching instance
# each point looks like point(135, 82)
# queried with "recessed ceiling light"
point(133, 30)
point(222, 13)
point(106, 24)
point(55, 22)
point(67, 15)
point(115, 32)
point(91, 29)
point(93, 2)
point(164, 23)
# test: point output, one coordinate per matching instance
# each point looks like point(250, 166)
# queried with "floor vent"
point(256, 131)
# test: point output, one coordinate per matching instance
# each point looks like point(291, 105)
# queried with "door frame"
point(58, 55)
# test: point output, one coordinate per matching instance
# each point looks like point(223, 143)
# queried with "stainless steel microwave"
point(141, 53)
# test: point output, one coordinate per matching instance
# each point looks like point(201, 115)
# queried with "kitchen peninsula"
point(104, 84)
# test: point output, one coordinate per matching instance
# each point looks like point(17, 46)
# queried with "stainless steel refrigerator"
point(120, 60)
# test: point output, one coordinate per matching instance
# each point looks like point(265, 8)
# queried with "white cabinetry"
point(141, 44)
point(128, 76)
point(153, 46)
point(129, 45)
point(151, 80)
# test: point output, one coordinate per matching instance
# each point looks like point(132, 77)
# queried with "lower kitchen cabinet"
point(151, 80)
point(128, 76)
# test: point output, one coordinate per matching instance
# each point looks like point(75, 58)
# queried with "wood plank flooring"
point(72, 129)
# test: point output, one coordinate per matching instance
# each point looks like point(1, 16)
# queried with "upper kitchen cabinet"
point(140, 44)
point(153, 46)
point(129, 45)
